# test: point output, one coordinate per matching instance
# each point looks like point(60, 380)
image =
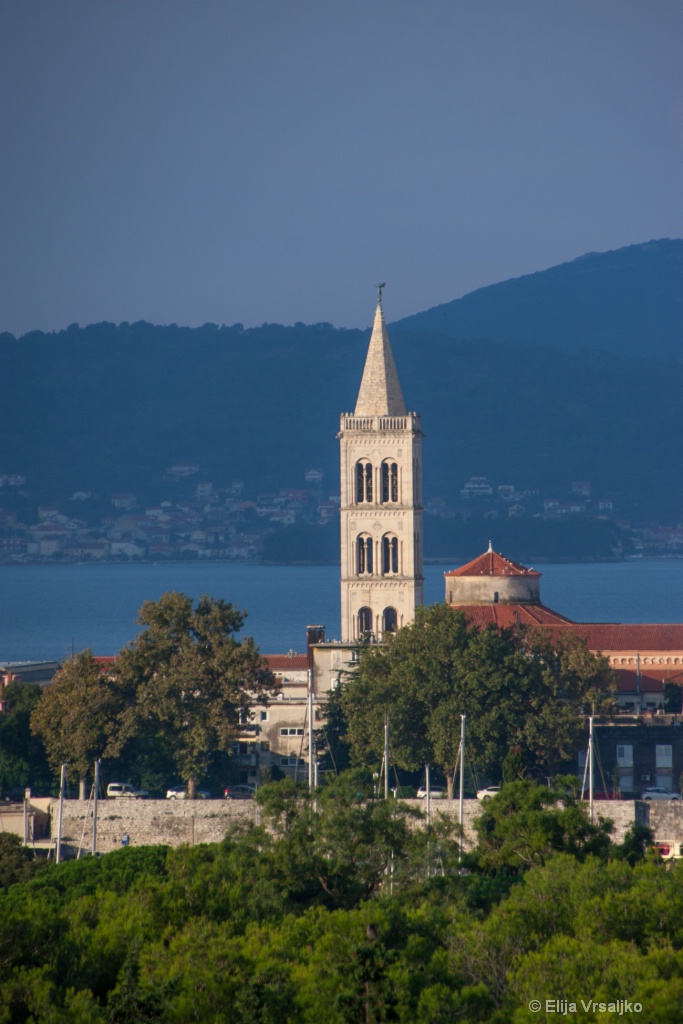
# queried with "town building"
point(642, 744)
point(493, 590)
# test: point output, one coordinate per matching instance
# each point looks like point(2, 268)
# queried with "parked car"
point(241, 792)
point(435, 793)
point(180, 793)
point(118, 789)
point(659, 793)
point(488, 792)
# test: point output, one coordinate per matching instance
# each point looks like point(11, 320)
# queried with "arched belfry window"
point(363, 481)
point(364, 621)
point(389, 554)
point(389, 620)
point(364, 564)
point(389, 482)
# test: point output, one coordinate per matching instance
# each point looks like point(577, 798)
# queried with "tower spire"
point(380, 391)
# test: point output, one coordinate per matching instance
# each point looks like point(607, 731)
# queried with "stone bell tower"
point(381, 500)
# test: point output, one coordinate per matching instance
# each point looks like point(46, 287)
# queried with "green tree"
point(16, 863)
point(194, 682)
point(79, 716)
point(518, 690)
point(526, 823)
point(22, 754)
point(566, 682)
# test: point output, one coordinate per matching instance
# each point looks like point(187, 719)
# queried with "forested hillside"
point(627, 302)
point(108, 408)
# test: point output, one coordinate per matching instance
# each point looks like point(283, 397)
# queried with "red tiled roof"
point(505, 615)
point(286, 662)
point(600, 636)
point(651, 681)
point(492, 564)
point(630, 636)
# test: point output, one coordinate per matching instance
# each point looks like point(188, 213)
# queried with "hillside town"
point(200, 519)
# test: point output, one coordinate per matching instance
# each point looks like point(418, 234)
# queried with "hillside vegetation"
point(627, 302)
point(108, 408)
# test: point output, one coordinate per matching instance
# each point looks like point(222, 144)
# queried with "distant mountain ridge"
point(108, 408)
point(627, 301)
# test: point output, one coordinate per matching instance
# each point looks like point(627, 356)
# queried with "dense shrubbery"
point(348, 913)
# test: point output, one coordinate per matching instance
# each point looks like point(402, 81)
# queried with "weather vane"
point(379, 291)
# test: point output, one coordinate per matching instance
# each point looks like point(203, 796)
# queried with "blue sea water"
point(47, 609)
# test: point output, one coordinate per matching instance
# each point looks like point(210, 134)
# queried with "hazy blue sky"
point(270, 160)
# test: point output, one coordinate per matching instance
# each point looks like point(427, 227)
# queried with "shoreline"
point(306, 564)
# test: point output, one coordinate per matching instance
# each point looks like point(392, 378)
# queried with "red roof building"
point(492, 590)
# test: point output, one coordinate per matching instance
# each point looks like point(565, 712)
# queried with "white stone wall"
point(665, 817)
point(148, 822)
point(175, 822)
point(402, 519)
point(475, 589)
point(621, 812)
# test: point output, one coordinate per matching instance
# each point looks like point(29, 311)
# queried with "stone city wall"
point(621, 812)
point(174, 822)
point(148, 822)
point(664, 817)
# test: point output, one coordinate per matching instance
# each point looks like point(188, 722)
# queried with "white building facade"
point(382, 579)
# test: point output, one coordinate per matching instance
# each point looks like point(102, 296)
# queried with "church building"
point(492, 590)
point(381, 500)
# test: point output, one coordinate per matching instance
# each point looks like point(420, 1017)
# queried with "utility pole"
point(462, 781)
point(27, 805)
point(590, 765)
point(94, 806)
point(62, 786)
point(429, 796)
point(311, 778)
point(386, 758)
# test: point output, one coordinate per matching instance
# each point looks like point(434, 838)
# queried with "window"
point(264, 716)
point(364, 555)
point(389, 555)
point(389, 620)
point(291, 731)
point(364, 621)
point(265, 745)
point(389, 482)
point(663, 755)
point(363, 481)
point(625, 755)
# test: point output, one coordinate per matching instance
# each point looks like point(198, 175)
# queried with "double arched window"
point(363, 481)
point(364, 551)
point(389, 482)
point(364, 621)
point(389, 620)
point(389, 554)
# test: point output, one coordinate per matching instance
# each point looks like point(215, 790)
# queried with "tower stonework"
point(382, 581)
